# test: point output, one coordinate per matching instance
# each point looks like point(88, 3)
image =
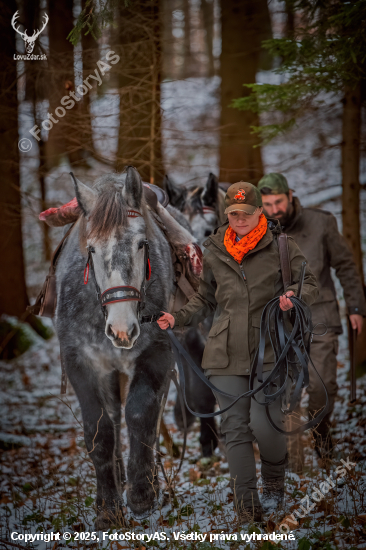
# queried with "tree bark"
point(207, 10)
point(187, 52)
point(35, 91)
point(139, 140)
point(90, 58)
point(351, 172)
point(63, 136)
point(290, 23)
point(244, 24)
point(168, 40)
point(13, 292)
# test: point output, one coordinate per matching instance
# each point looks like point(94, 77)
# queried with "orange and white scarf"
point(246, 243)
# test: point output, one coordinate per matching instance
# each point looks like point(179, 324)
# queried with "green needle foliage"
point(94, 17)
point(326, 53)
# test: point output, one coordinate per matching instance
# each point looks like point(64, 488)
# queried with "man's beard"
point(286, 217)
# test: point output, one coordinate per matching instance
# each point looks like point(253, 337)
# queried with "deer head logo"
point(29, 41)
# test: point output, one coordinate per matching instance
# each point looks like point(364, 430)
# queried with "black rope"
point(290, 341)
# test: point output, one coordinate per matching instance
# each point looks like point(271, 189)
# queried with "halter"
point(124, 293)
point(208, 210)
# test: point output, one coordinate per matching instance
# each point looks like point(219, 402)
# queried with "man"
point(316, 233)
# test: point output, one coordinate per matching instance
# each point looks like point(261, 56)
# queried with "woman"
point(241, 273)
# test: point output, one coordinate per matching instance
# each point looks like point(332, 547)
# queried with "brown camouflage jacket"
point(316, 233)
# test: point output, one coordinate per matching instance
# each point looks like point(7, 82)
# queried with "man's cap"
point(276, 183)
point(242, 196)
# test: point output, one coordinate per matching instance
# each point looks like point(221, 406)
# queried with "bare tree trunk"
point(290, 23)
point(187, 51)
point(244, 24)
point(35, 70)
point(13, 292)
point(90, 58)
point(168, 40)
point(63, 136)
point(351, 172)
point(207, 10)
point(36, 91)
point(139, 140)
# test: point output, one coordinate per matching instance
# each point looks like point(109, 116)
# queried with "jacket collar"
point(217, 238)
point(297, 215)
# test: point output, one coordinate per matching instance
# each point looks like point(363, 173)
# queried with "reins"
point(291, 350)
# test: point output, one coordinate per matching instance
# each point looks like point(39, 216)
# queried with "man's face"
point(277, 206)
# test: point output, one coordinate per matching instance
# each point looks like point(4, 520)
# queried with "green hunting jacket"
point(316, 233)
point(237, 295)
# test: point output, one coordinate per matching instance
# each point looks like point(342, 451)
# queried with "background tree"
point(207, 11)
point(244, 25)
point(140, 71)
point(326, 53)
point(13, 292)
point(36, 91)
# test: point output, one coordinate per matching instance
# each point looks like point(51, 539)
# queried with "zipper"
point(242, 271)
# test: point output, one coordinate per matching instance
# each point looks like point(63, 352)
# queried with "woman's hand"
point(285, 303)
point(166, 321)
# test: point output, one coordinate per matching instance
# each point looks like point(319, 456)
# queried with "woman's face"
point(242, 223)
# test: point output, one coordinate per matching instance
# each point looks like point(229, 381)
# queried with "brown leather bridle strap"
point(120, 294)
point(208, 210)
point(284, 259)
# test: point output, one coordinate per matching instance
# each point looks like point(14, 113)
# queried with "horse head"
point(200, 205)
point(114, 229)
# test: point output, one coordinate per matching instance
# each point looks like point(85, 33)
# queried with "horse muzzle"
point(123, 338)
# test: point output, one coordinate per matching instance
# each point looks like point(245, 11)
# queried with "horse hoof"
point(106, 518)
point(143, 503)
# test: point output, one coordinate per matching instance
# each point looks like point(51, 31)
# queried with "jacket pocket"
point(216, 355)
point(268, 352)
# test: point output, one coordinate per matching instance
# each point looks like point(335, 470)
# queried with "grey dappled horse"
point(203, 207)
point(96, 348)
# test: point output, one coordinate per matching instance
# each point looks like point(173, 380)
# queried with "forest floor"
point(47, 478)
point(48, 482)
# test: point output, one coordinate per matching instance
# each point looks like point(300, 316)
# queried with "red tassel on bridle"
point(148, 275)
point(86, 274)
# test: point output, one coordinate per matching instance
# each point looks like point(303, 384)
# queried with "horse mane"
point(109, 212)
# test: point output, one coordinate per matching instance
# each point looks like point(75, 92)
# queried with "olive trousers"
point(244, 423)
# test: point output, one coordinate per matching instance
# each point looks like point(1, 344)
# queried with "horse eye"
point(141, 244)
point(207, 232)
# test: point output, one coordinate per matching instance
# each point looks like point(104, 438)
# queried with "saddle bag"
point(45, 304)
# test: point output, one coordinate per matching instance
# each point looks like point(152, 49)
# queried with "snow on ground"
point(47, 480)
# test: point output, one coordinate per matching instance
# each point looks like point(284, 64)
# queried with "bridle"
point(123, 293)
point(208, 210)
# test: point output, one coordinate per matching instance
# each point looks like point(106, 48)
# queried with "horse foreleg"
point(142, 411)
point(100, 441)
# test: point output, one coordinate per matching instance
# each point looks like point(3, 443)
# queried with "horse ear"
point(133, 186)
point(175, 193)
point(209, 195)
point(85, 196)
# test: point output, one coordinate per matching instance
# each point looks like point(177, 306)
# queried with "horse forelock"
point(111, 208)
point(108, 214)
